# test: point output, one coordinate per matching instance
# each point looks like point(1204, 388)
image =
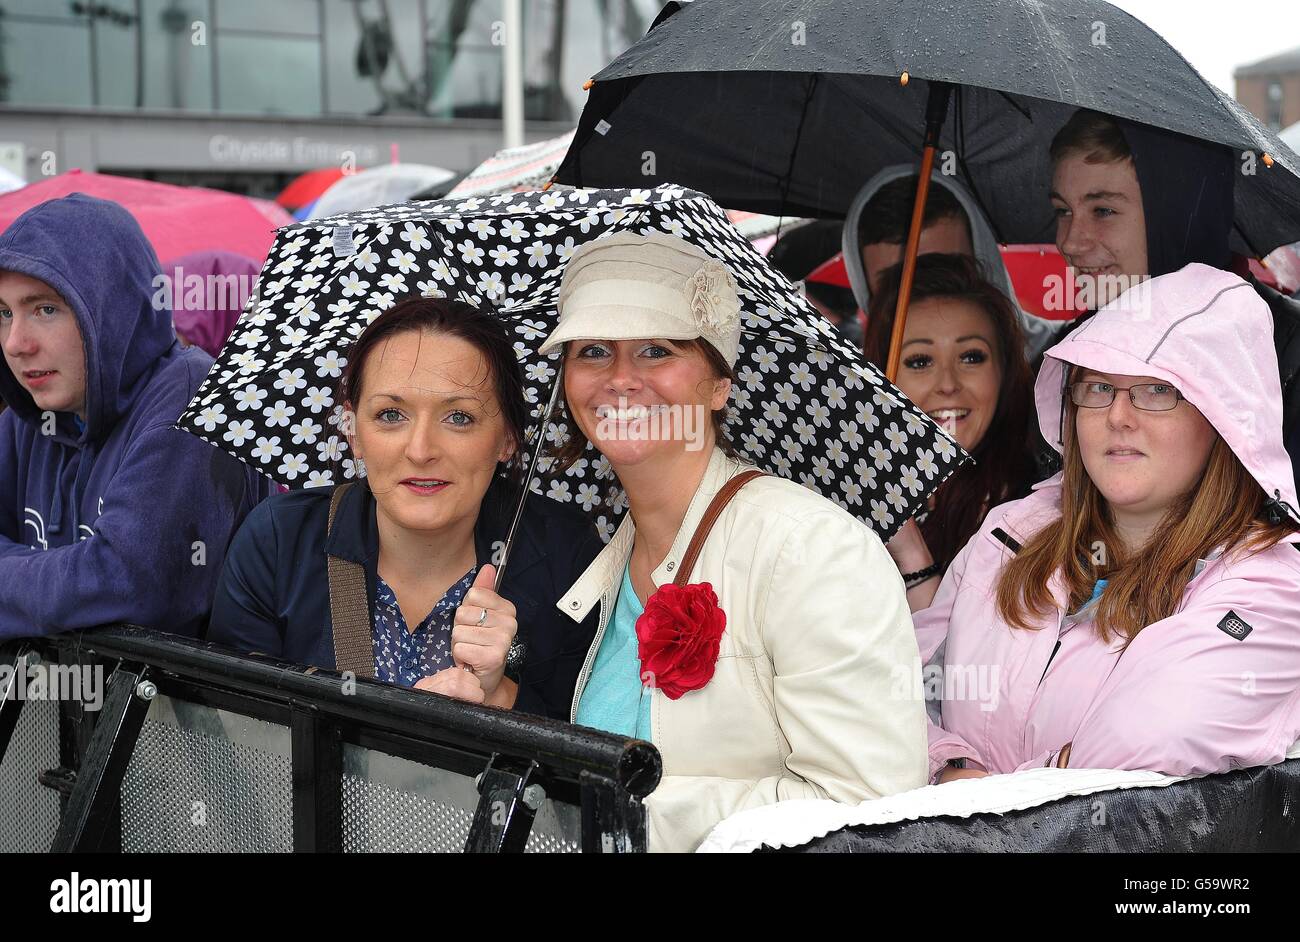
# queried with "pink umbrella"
point(177, 220)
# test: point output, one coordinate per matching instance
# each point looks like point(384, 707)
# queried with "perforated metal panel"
point(206, 780)
point(557, 829)
point(392, 804)
point(29, 812)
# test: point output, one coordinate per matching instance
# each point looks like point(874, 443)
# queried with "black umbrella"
point(788, 106)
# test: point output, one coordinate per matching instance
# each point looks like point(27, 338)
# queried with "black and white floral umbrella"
point(806, 406)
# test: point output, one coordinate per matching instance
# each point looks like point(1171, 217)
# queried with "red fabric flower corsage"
point(678, 638)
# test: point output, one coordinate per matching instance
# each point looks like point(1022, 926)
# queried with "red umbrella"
point(308, 187)
point(177, 220)
point(1028, 265)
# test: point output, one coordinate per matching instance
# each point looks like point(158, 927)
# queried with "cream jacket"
point(813, 694)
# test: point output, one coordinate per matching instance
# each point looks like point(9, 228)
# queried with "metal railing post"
point(10, 704)
point(94, 808)
point(509, 797)
point(317, 755)
point(613, 820)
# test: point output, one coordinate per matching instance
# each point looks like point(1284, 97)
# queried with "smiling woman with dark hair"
point(392, 576)
point(963, 363)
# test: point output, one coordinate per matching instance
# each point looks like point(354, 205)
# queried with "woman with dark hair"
point(963, 363)
point(392, 576)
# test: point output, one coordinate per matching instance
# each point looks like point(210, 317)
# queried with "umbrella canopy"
point(790, 111)
point(308, 187)
point(806, 405)
point(377, 186)
point(177, 220)
point(532, 166)
point(515, 168)
point(274, 213)
point(10, 181)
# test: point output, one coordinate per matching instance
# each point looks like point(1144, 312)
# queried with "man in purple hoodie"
point(107, 512)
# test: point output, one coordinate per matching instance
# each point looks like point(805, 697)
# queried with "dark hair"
point(1098, 138)
point(888, 214)
point(453, 318)
point(1003, 467)
point(576, 443)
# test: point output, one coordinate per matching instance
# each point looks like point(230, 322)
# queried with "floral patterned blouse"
point(404, 657)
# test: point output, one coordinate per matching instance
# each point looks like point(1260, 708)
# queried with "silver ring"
point(482, 618)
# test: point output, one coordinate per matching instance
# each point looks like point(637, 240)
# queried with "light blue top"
point(614, 699)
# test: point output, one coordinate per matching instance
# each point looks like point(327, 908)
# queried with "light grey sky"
point(1216, 36)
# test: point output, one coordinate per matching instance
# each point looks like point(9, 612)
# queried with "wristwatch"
point(515, 659)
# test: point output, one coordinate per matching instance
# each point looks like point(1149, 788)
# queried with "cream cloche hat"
point(628, 286)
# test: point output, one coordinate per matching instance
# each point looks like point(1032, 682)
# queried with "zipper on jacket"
point(591, 656)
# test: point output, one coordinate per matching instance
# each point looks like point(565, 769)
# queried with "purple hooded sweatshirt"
point(1216, 685)
point(124, 519)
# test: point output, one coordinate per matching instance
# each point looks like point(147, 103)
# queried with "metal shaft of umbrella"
point(936, 112)
point(540, 439)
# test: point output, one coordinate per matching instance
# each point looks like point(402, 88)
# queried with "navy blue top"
point(403, 656)
point(273, 595)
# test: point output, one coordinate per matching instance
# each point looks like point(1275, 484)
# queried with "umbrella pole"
point(936, 111)
point(528, 478)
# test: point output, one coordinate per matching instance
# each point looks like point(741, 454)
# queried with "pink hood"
point(1205, 331)
point(1213, 686)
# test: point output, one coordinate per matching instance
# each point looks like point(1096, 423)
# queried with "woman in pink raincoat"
point(1141, 609)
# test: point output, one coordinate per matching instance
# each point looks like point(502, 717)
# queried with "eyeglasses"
point(1149, 397)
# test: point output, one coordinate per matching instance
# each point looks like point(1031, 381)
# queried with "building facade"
point(1270, 89)
point(245, 94)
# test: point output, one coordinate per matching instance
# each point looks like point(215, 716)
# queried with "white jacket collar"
point(607, 569)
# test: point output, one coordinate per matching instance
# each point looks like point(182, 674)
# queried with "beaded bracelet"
point(913, 579)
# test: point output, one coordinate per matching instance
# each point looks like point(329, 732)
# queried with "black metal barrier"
point(195, 748)
point(1256, 809)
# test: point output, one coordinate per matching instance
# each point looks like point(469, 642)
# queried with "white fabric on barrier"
point(792, 823)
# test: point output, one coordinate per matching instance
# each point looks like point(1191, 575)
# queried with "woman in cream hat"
point(778, 662)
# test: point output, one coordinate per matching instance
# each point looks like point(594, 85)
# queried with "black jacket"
point(273, 595)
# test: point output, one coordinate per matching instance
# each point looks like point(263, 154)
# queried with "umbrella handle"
point(528, 478)
point(936, 112)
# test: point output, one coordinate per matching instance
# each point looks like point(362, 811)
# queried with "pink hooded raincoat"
point(1213, 687)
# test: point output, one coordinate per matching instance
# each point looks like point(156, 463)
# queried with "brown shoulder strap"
point(349, 608)
point(720, 500)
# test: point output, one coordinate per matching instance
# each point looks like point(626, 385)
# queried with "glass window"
point(569, 41)
point(176, 55)
point(464, 67)
point(45, 62)
point(118, 81)
point(47, 10)
point(276, 16)
point(268, 74)
point(375, 64)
